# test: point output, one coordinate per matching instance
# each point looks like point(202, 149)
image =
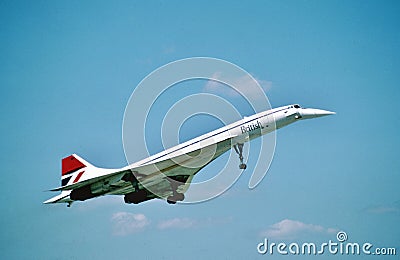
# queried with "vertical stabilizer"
point(72, 168)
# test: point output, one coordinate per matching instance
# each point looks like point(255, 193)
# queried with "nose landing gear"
point(239, 151)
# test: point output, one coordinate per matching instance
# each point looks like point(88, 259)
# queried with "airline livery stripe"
point(78, 176)
point(65, 181)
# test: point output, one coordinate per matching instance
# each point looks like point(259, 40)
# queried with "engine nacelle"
point(82, 193)
point(137, 197)
point(90, 191)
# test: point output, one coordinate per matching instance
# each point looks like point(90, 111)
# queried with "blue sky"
point(68, 69)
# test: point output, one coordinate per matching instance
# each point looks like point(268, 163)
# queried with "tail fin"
point(72, 166)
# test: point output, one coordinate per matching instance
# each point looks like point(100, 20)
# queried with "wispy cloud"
point(245, 84)
point(180, 223)
point(125, 223)
point(289, 229)
point(187, 223)
point(384, 209)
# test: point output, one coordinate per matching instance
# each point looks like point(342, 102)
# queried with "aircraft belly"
point(157, 182)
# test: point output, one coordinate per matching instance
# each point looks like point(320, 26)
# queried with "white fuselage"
point(184, 159)
point(241, 131)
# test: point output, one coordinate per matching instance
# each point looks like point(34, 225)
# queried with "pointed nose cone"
point(320, 112)
point(307, 113)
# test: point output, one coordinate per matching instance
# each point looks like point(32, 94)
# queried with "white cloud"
point(288, 229)
point(125, 223)
point(180, 223)
point(245, 84)
point(213, 85)
point(185, 223)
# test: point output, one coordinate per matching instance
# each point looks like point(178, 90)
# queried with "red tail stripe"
point(78, 176)
point(70, 164)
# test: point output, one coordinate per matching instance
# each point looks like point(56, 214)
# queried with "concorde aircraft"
point(168, 174)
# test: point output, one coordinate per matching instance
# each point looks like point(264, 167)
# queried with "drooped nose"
point(307, 113)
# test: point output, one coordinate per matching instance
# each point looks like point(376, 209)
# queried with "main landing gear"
point(239, 151)
point(176, 196)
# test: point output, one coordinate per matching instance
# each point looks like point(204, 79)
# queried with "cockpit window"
point(296, 106)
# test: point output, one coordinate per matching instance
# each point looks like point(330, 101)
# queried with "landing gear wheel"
point(176, 197)
point(180, 197)
point(170, 200)
point(242, 166)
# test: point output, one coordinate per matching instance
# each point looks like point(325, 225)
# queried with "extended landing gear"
point(138, 195)
point(176, 196)
point(239, 151)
